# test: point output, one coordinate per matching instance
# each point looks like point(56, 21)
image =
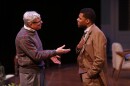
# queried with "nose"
point(77, 19)
point(41, 21)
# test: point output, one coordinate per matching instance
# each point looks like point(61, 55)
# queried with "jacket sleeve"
point(29, 47)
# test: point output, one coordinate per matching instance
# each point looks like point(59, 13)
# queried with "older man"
point(30, 53)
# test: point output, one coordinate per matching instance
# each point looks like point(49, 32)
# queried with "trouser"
point(32, 79)
point(95, 81)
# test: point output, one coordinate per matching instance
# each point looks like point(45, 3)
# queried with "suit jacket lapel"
point(88, 35)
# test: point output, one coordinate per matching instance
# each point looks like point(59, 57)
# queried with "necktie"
point(82, 41)
point(84, 35)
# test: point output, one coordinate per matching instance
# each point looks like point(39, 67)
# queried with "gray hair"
point(29, 16)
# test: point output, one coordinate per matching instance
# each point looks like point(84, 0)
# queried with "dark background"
point(59, 26)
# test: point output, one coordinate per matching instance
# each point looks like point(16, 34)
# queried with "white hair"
point(29, 16)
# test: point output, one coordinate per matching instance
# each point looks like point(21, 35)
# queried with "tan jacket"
point(92, 57)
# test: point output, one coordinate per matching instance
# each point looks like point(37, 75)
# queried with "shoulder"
point(22, 35)
point(98, 33)
point(96, 30)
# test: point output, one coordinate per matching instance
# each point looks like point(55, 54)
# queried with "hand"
point(60, 50)
point(55, 59)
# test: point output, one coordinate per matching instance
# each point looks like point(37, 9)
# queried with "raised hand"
point(60, 50)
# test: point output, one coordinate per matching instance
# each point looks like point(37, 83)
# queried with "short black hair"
point(88, 13)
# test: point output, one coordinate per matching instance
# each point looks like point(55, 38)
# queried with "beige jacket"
point(92, 57)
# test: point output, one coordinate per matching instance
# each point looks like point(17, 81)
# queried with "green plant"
point(12, 84)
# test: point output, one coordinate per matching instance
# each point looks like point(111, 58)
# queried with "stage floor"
point(67, 75)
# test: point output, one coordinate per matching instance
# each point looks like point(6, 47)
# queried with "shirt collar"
point(87, 29)
point(28, 28)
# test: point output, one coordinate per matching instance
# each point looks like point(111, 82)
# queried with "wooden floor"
point(67, 75)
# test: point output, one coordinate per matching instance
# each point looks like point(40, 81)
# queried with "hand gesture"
point(55, 59)
point(60, 50)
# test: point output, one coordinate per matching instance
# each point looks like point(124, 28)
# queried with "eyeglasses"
point(37, 22)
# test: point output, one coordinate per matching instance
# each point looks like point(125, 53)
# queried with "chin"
point(80, 27)
point(38, 28)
